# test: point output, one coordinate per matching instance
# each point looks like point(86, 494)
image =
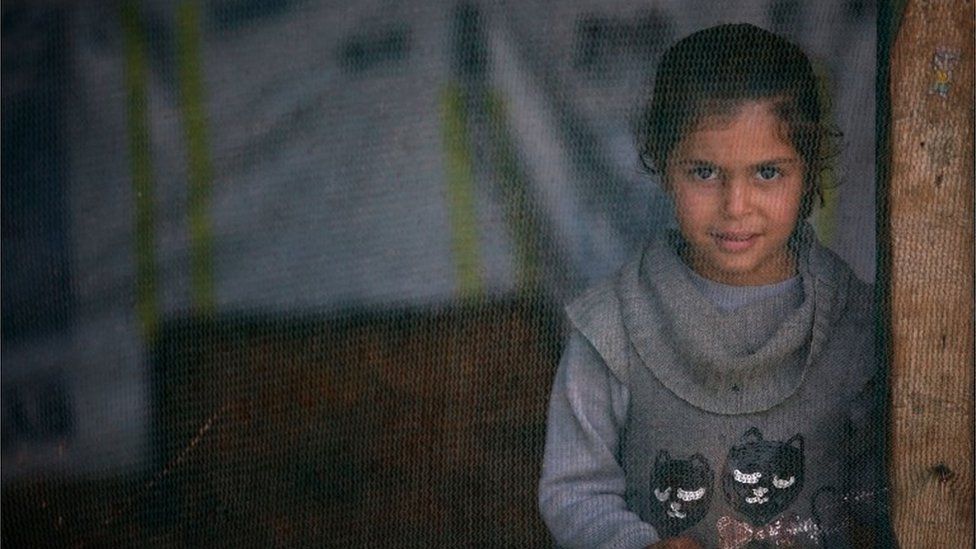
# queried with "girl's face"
point(737, 186)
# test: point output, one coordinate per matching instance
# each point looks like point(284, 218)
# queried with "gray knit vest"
point(726, 433)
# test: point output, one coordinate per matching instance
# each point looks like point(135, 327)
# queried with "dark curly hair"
point(715, 70)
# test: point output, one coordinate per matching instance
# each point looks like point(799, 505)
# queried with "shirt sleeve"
point(581, 492)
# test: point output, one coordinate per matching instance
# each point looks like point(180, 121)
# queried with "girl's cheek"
point(787, 204)
point(695, 207)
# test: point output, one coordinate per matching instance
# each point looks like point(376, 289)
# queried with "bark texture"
point(931, 243)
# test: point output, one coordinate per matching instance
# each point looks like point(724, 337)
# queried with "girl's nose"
point(736, 199)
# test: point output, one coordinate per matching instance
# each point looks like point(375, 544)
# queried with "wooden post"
point(931, 267)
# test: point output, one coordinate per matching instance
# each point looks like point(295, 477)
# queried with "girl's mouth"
point(734, 241)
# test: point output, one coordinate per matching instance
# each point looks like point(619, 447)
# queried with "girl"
point(722, 390)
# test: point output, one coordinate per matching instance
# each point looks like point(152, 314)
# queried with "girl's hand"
point(676, 543)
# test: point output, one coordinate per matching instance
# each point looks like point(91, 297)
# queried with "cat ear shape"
point(796, 441)
point(663, 457)
point(703, 463)
point(753, 434)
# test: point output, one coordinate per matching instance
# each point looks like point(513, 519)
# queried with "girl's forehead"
point(751, 130)
point(721, 115)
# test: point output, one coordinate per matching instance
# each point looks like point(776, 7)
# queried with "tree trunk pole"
point(931, 265)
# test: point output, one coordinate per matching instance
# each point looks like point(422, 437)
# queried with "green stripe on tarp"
point(199, 169)
point(824, 218)
point(460, 193)
point(140, 162)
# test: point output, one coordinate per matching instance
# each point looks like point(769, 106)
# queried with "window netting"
point(290, 273)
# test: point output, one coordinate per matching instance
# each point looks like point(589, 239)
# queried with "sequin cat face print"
point(681, 491)
point(761, 478)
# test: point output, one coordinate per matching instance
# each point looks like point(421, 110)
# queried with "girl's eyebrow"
point(686, 161)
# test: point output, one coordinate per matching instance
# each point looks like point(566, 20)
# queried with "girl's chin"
point(741, 273)
point(749, 266)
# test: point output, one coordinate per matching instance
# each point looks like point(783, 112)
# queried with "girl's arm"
point(581, 493)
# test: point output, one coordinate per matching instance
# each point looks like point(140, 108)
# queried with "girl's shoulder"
point(859, 297)
point(596, 315)
point(851, 324)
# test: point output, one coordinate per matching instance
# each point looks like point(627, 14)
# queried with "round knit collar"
point(705, 366)
point(730, 298)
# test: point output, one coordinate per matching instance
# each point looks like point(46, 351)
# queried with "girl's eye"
point(704, 173)
point(768, 173)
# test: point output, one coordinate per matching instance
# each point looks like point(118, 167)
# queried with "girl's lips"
point(735, 242)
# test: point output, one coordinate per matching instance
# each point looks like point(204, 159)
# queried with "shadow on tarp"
point(403, 428)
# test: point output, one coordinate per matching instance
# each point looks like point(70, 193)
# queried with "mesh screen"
point(294, 273)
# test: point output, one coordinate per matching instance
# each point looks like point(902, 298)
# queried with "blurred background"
point(286, 272)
